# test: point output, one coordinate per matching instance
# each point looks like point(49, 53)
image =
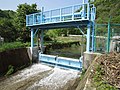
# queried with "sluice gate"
point(61, 61)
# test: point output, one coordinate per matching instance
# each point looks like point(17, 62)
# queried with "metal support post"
point(83, 10)
point(88, 38)
point(42, 19)
point(93, 36)
point(32, 39)
point(41, 40)
point(108, 38)
point(88, 11)
point(60, 14)
point(72, 12)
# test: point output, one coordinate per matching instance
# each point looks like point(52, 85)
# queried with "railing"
point(72, 13)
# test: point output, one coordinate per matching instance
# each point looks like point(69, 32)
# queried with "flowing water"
point(74, 51)
point(41, 77)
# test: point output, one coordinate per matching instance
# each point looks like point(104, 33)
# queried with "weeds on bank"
point(10, 70)
point(99, 83)
point(12, 45)
point(82, 74)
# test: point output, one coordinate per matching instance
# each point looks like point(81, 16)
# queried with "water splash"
point(28, 72)
point(56, 80)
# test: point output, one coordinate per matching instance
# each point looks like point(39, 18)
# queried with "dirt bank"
point(103, 74)
point(16, 58)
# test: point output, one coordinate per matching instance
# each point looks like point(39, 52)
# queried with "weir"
point(77, 16)
point(61, 61)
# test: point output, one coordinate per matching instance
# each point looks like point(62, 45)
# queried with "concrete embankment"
point(17, 58)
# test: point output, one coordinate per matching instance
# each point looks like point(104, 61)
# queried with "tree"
point(20, 20)
point(7, 29)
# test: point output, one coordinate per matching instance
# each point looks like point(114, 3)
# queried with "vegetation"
point(99, 83)
point(107, 8)
point(12, 45)
point(7, 29)
point(12, 24)
point(10, 70)
point(20, 20)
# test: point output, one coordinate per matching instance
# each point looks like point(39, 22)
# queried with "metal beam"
point(32, 36)
point(83, 10)
point(93, 36)
point(35, 32)
point(41, 40)
point(88, 39)
point(80, 30)
point(108, 38)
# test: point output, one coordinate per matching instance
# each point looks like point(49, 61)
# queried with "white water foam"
point(33, 70)
point(56, 80)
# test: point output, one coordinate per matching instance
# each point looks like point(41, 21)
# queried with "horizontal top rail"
point(71, 13)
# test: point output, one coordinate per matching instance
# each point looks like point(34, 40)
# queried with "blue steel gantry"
point(82, 15)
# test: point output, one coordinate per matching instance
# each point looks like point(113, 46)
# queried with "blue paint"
point(61, 61)
point(82, 15)
point(32, 38)
point(88, 38)
point(41, 40)
point(93, 13)
point(66, 14)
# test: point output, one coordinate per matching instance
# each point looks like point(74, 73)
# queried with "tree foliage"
point(7, 29)
point(107, 8)
point(13, 24)
point(20, 19)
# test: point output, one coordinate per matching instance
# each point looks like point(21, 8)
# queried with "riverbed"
point(41, 77)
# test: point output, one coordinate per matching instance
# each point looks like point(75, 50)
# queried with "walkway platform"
point(71, 16)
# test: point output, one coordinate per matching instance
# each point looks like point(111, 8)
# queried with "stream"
point(41, 77)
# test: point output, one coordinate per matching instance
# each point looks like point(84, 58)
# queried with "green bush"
point(12, 45)
point(10, 70)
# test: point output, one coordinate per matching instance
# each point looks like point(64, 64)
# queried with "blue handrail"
point(71, 13)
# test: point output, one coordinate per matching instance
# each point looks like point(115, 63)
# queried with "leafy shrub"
point(10, 70)
point(13, 45)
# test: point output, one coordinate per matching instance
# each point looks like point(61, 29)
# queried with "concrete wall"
point(16, 57)
point(88, 58)
point(115, 44)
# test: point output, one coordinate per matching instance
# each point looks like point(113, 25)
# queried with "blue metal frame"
point(61, 61)
point(71, 13)
point(82, 15)
point(88, 38)
point(32, 36)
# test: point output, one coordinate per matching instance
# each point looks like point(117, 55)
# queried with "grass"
point(69, 39)
point(10, 70)
point(12, 45)
point(83, 74)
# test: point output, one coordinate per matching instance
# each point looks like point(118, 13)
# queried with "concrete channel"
point(41, 77)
